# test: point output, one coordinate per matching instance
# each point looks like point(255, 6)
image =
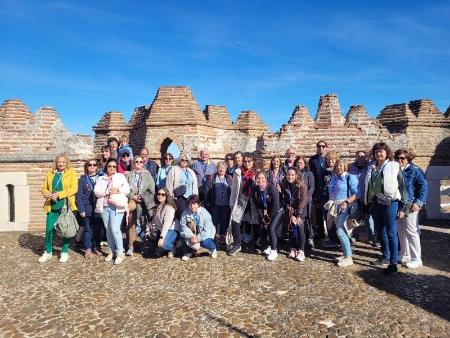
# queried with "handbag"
point(382, 199)
point(66, 225)
point(118, 200)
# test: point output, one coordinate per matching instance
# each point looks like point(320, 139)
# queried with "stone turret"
point(329, 112)
point(111, 124)
point(358, 115)
point(396, 117)
point(175, 105)
point(14, 114)
point(249, 121)
point(301, 118)
point(218, 116)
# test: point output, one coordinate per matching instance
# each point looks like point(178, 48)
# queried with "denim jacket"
point(416, 184)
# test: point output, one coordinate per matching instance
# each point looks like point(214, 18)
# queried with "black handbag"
point(382, 199)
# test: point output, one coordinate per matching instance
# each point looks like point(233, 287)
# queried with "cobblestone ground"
point(241, 296)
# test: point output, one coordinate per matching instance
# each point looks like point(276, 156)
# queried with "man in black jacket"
point(317, 165)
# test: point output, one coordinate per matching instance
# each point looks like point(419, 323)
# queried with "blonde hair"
point(221, 164)
point(66, 157)
point(343, 162)
point(332, 155)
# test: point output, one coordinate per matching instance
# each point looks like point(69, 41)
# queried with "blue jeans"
point(208, 243)
point(385, 220)
point(112, 221)
point(342, 233)
point(170, 239)
point(221, 218)
point(92, 234)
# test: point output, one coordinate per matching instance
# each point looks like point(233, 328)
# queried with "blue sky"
point(88, 57)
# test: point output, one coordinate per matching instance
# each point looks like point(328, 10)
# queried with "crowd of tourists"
point(296, 206)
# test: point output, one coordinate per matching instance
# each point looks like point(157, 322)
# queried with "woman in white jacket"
point(385, 194)
point(112, 190)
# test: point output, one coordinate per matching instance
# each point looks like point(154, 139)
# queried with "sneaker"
point(109, 257)
point(64, 257)
point(45, 256)
point(391, 269)
point(103, 243)
point(272, 255)
point(267, 251)
point(186, 256)
point(119, 259)
point(376, 245)
point(380, 262)
point(403, 260)
point(130, 252)
point(414, 264)
point(292, 253)
point(234, 250)
point(88, 254)
point(338, 259)
point(346, 261)
point(213, 253)
point(300, 256)
point(170, 254)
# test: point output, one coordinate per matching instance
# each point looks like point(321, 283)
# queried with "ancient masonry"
point(29, 142)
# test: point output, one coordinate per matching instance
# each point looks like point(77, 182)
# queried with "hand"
point(294, 220)
point(160, 242)
point(343, 206)
point(113, 191)
point(83, 214)
point(401, 214)
point(194, 240)
point(47, 194)
point(415, 207)
point(137, 198)
point(54, 196)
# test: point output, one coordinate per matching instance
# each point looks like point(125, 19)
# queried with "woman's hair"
point(63, 155)
point(111, 159)
point(169, 198)
point(166, 154)
point(343, 162)
point(229, 156)
point(184, 156)
point(298, 179)
point(221, 164)
point(102, 160)
point(194, 199)
point(86, 164)
point(250, 156)
point(114, 139)
point(260, 173)
point(274, 158)
point(408, 154)
point(332, 155)
point(303, 158)
point(384, 146)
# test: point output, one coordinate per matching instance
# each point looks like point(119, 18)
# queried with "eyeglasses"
point(111, 166)
point(401, 158)
point(168, 158)
point(291, 153)
point(138, 161)
point(125, 155)
point(92, 165)
point(161, 194)
point(321, 146)
point(184, 160)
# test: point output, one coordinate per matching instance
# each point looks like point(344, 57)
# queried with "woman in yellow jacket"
point(61, 183)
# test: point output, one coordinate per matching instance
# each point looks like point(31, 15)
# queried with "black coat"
point(272, 197)
point(210, 190)
point(319, 174)
point(85, 198)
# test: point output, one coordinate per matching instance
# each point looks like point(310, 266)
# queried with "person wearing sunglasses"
point(204, 169)
point(125, 159)
point(408, 227)
point(151, 166)
point(111, 191)
point(105, 155)
point(85, 200)
point(182, 178)
point(60, 187)
point(141, 200)
point(114, 144)
point(163, 171)
point(318, 166)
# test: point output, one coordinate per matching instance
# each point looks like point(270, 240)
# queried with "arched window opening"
point(169, 146)
point(11, 206)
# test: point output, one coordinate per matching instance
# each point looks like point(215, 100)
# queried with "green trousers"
point(52, 216)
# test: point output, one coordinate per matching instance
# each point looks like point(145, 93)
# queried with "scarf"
point(247, 177)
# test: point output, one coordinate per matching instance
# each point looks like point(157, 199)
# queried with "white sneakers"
point(414, 264)
point(272, 255)
point(109, 257)
point(45, 256)
point(187, 256)
point(403, 260)
point(213, 254)
point(346, 261)
point(119, 259)
point(267, 251)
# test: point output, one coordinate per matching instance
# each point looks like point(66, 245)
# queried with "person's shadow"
point(33, 242)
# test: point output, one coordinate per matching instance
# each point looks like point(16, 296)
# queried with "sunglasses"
point(138, 161)
point(125, 155)
point(321, 146)
point(111, 166)
point(168, 158)
point(401, 158)
point(161, 194)
point(183, 160)
point(92, 165)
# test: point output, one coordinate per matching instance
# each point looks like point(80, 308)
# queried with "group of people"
point(230, 204)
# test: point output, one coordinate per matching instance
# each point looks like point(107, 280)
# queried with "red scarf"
point(247, 177)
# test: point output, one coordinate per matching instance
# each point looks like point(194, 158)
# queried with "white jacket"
point(119, 182)
point(173, 179)
point(390, 172)
point(235, 189)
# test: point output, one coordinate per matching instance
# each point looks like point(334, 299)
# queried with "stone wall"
point(29, 142)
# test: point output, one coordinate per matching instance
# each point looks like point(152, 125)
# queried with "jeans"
point(208, 243)
point(408, 233)
point(270, 232)
point(170, 239)
point(92, 231)
point(342, 233)
point(385, 220)
point(221, 217)
point(112, 221)
point(52, 217)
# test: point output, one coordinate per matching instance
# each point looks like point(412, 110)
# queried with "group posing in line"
point(230, 203)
